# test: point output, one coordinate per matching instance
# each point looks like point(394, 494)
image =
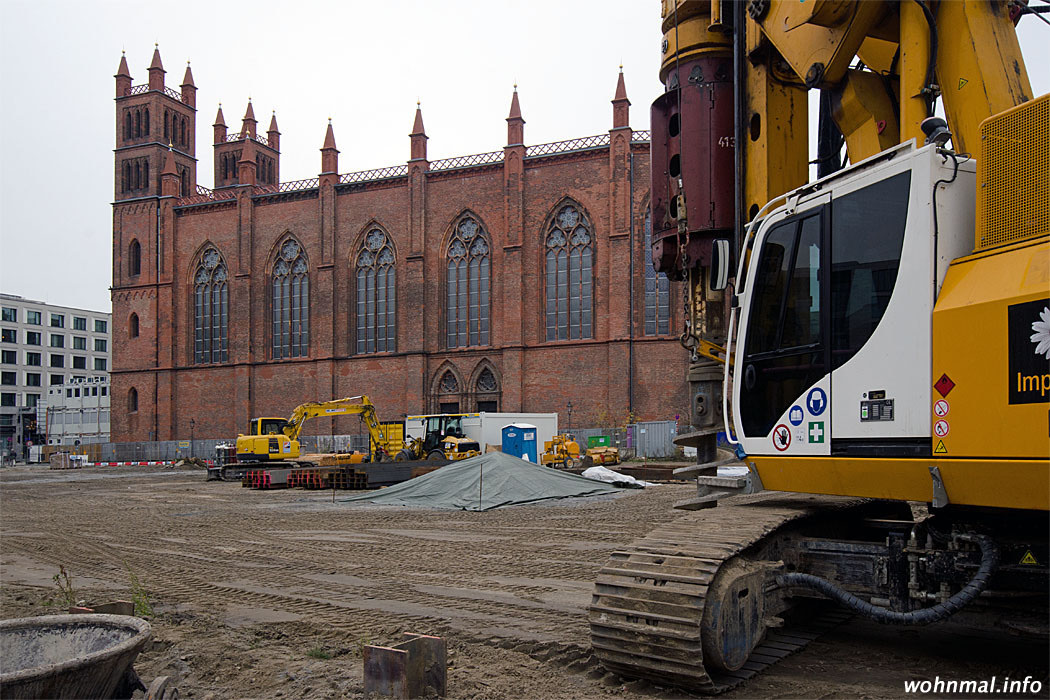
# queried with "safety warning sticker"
point(781, 437)
point(940, 449)
point(940, 428)
point(944, 385)
point(940, 409)
point(1029, 559)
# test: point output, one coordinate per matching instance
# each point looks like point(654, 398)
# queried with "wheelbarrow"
point(75, 656)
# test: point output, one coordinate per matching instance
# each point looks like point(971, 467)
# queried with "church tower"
point(154, 165)
point(149, 118)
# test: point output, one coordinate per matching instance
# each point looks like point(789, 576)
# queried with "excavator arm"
point(351, 405)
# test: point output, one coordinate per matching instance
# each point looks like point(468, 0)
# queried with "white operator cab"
point(832, 356)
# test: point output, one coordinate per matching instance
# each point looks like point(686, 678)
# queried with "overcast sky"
point(364, 64)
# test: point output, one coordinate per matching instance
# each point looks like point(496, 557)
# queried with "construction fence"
point(648, 440)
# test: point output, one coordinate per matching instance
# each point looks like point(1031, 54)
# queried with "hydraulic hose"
point(979, 582)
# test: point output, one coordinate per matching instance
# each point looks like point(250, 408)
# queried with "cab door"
point(782, 363)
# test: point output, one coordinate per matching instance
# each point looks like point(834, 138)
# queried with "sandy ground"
point(273, 594)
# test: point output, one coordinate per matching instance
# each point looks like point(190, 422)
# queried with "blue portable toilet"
point(519, 439)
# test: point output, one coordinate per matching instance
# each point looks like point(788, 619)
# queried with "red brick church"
point(516, 280)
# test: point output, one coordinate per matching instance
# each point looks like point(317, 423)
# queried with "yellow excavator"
point(888, 326)
point(277, 439)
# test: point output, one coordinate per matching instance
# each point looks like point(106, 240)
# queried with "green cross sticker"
point(816, 432)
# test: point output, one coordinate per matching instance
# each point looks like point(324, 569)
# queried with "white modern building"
point(44, 347)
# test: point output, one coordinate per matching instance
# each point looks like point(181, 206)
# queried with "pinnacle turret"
point(621, 105)
point(515, 124)
point(156, 71)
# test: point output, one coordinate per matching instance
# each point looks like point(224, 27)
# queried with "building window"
point(100, 364)
point(58, 321)
point(79, 362)
point(486, 391)
point(134, 259)
point(33, 338)
point(32, 400)
point(448, 393)
point(127, 125)
point(104, 390)
point(8, 357)
point(58, 340)
point(468, 285)
point(57, 379)
point(32, 378)
point(79, 343)
point(79, 323)
point(657, 289)
point(133, 326)
point(33, 318)
point(569, 283)
point(8, 399)
point(10, 315)
point(211, 309)
point(33, 359)
point(133, 400)
point(58, 360)
point(9, 335)
point(100, 345)
point(376, 295)
point(100, 326)
point(9, 378)
point(291, 302)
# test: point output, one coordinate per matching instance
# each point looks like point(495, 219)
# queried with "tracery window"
point(291, 302)
point(211, 308)
point(468, 258)
point(376, 294)
point(657, 289)
point(448, 393)
point(569, 277)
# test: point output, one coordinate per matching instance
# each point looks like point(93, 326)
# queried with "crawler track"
point(649, 599)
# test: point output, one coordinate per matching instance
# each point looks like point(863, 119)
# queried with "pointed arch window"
point(127, 125)
point(133, 326)
point(448, 393)
point(133, 400)
point(657, 288)
point(468, 264)
point(145, 123)
point(486, 391)
point(138, 123)
point(291, 302)
point(210, 308)
point(134, 258)
point(376, 294)
point(167, 125)
point(569, 287)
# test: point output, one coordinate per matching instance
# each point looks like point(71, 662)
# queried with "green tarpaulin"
point(485, 482)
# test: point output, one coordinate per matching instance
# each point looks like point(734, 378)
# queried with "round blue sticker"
point(817, 401)
point(795, 415)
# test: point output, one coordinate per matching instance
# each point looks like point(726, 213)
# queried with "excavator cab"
point(266, 440)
